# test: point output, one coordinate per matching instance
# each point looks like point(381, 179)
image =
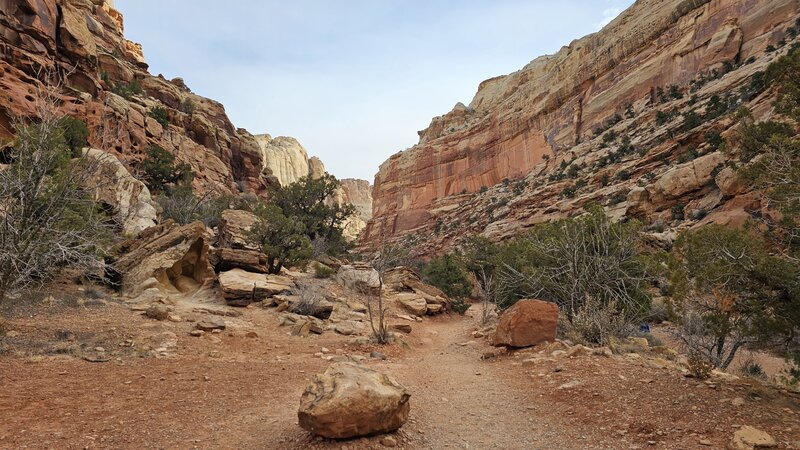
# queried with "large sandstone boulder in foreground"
point(175, 255)
point(359, 277)
point(112, 184)
point(527, 323)
point(349, 400)
point(240, 288)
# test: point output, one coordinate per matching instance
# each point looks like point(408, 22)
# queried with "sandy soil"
point(229, 390)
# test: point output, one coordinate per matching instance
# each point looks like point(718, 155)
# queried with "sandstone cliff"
point(505, 162)
point(106, 83)
point(359, 194)
point(284, 157)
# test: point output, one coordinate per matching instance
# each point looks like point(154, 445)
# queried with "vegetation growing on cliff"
point(160, 171)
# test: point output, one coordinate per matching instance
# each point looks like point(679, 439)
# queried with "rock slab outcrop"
point(360, 278)
point(133, 208)
point(349, 401)
point(175, 255)
point(240, 288)
point(527, 323)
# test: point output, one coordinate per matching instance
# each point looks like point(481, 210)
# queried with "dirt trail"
point(461, 401)
point(232, 391)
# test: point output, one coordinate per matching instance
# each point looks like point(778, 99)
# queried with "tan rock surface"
point(749, 438)
point(349, 401)
point(240, 288)
point(134, 210)
point(527, 323)
point(411, 302)
point(177, 256)
point(234, 226)
point(284, 157)
point(359, 278)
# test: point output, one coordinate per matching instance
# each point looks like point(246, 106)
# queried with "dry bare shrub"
point(47, 219)
point(309, 300)
point(699, 367)
point(597, 324)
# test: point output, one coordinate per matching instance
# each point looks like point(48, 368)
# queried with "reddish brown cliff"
point(527, 127)
point(81, 42)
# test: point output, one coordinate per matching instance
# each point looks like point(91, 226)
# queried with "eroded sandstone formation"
point(359, 194)
point(504, 162)
point(284, 157)
point(104, 77)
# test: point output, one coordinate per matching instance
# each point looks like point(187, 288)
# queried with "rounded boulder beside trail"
point(350, 400)
point(527, 323)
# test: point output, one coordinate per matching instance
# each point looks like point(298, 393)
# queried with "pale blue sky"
point(352, 80)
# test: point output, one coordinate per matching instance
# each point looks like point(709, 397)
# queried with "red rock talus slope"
point(553, 106)
point(83, 41)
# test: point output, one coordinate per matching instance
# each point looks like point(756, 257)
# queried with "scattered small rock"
point(749, 438)
point(210, 324)
point(197, 333)
point(388, 441)
point(400, 327)
point(158, 312)
point(569, 385)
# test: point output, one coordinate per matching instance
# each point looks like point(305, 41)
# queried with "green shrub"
point(569, 191)
point(448, 274)
point(282, 238)
point(675, 92)
point(323, 271)
point(754, 137)
point(128, 90)
point(160, 171)
point(160, 114)
point(733, 290)
point(753, 369)
point(570, 261)
point(714, 139)
point(76, 134)
point(308, 201)
point(48, 221)
point(691, 120)
point(459, 306)
point(597, 324)
point(785, 74)
point(187, 106)
point(678, 211)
